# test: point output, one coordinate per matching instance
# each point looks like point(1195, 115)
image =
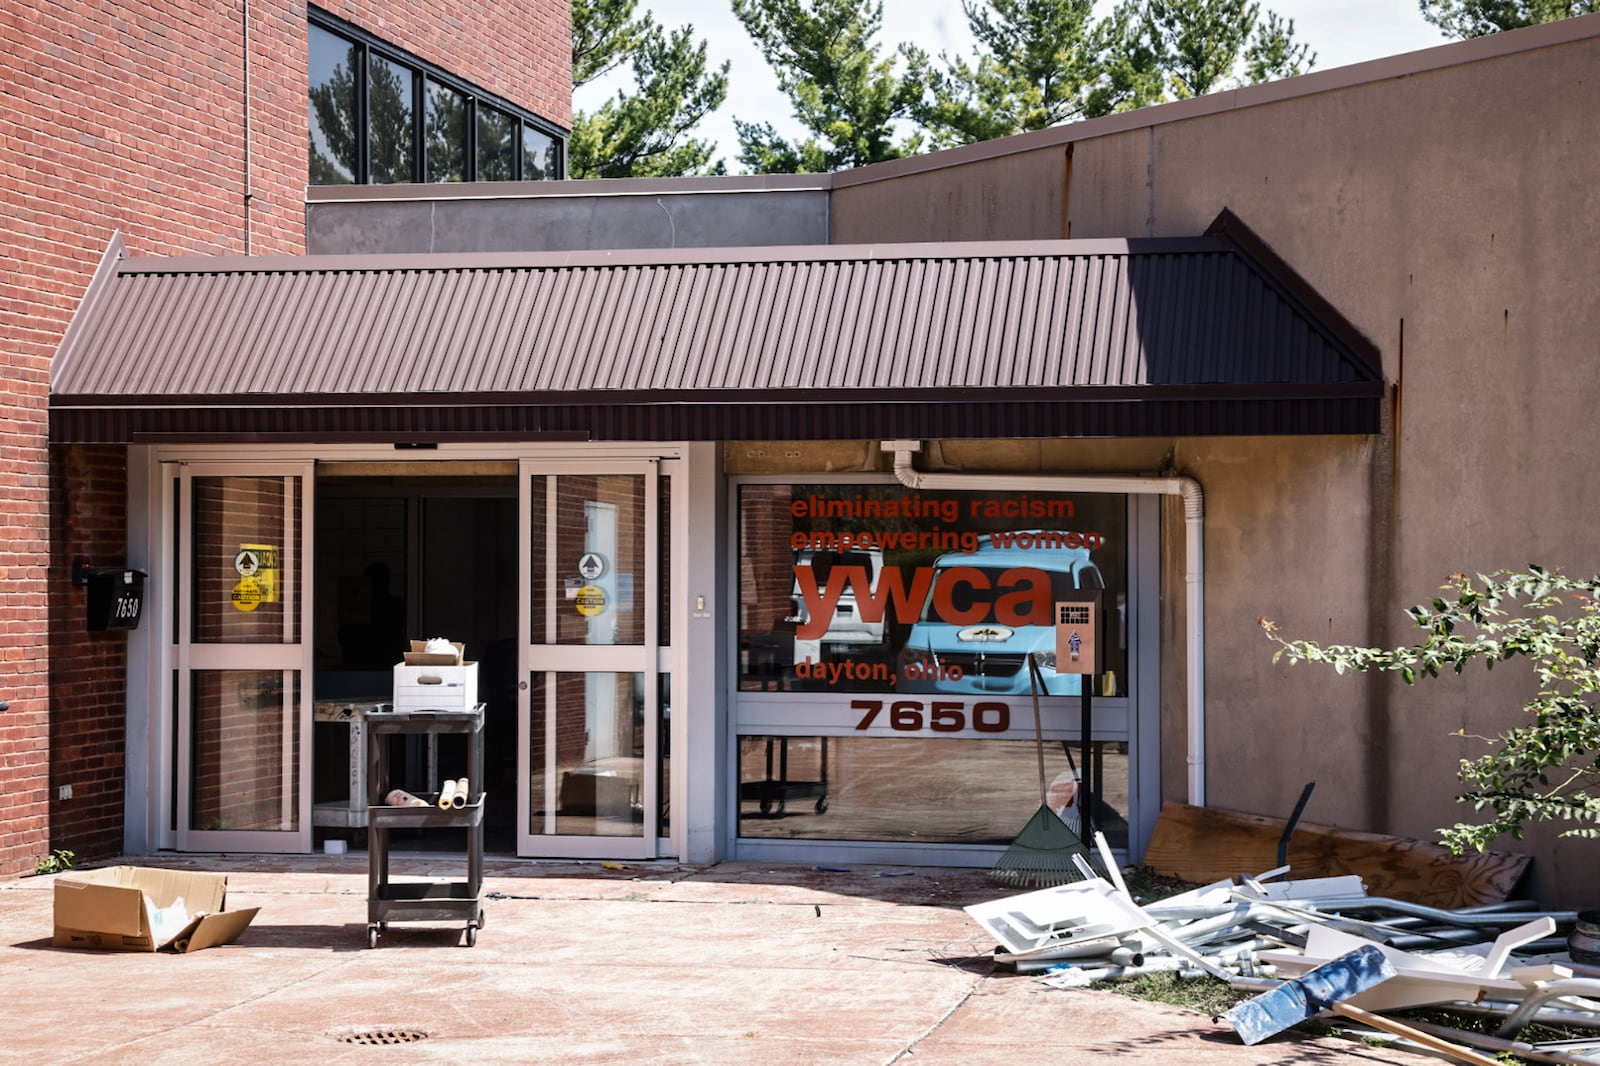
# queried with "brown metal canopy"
point(1154, 337)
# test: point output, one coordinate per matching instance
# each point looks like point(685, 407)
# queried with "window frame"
point(366, 45)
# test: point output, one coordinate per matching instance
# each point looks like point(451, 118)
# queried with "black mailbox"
point(116, 598)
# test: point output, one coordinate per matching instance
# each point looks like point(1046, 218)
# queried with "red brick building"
point(185, 126)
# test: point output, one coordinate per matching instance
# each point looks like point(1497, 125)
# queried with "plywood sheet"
point(1208, 844)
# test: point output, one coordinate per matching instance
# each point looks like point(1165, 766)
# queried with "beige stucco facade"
point(1444, 202)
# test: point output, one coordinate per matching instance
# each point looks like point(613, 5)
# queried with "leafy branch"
point(1544, 769)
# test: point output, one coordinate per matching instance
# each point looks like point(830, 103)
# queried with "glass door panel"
point(590, 746)
point(240, 744)
point(244, 751)
point(591, 717)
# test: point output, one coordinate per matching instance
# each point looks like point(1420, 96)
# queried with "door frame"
point(153, 471)
point(187, 656)
point(550, 658)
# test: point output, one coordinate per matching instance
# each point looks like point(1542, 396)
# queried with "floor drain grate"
point(383, 1036)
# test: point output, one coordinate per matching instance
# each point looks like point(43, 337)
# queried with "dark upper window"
point(379, 115)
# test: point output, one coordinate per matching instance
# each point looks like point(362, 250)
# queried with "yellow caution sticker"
point(247, 594)
point(591, 600)
point(259, 563)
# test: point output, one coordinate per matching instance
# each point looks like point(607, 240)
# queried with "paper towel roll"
point(399, 797)
point(459, 793)
point(447, 795)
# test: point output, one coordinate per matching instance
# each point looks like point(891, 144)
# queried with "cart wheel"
point(372, 936)
point(822, 804)
point(472, 934)
point(766, 807)
point(481, 922)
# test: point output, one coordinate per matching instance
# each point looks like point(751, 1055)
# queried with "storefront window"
point(865, 588)
point(932, 791)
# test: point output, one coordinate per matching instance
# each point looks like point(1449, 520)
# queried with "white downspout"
point(1194, 575)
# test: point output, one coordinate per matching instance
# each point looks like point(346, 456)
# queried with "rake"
point(1041, 855)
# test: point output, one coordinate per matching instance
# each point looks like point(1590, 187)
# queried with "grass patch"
point(1204, 994)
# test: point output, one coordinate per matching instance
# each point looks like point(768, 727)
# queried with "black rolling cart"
point(774, 793)
point(427, 901)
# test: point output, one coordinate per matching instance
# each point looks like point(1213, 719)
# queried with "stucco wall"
point(1009, 197)
point(1448, 213)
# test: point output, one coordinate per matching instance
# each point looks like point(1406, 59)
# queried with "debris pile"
point(1324, 943)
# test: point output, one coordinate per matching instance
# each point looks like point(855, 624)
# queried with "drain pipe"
point(1194, 575)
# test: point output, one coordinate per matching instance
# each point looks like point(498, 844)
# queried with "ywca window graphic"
point(880, 588)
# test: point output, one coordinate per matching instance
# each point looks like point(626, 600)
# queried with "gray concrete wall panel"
point(565, 223)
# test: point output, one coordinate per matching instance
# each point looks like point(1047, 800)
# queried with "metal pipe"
point(1583, 1019)
point(1473, 917)
point(1543, 993)
point(1194, 562)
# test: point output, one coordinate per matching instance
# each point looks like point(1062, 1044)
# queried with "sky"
point(1341, 32)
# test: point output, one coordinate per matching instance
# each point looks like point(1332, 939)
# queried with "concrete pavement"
point(578, 963)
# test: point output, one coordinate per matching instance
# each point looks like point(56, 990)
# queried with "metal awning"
point(1143, 337)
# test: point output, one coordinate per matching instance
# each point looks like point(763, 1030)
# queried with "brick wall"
point(522, 53)
point(133, 117)
point(86, 723)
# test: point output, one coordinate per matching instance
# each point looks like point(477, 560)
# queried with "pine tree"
point(1043, 62)
point(1475, 18)
point(1035, 67)
point(644, 132)
point(1207, 45)
point(846, 97)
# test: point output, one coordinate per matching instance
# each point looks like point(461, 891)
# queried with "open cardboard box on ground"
point(131, 908)
point(420, 656)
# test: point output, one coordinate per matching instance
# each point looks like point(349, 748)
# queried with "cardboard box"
point(135, 908)
point(420, 656)
point(436, 688)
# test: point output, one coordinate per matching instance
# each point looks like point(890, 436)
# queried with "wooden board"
point(1207, 844)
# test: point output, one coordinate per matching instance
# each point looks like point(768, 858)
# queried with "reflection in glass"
point(932, 591)
point(446, 134)
point(916, 790)
point(600, 517)
point(332, 108)
point(662, 586)
point(538, 156)
point(246, 576)
point(538, 590)
point(664, 757)
point(497, 151)
point(245, 753)
point(597, 777)
point(391, 111)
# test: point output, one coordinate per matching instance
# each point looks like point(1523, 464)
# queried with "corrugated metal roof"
point(1055, 338)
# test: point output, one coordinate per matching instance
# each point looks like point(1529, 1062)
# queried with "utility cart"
point(773, 793)
point(425, 901)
